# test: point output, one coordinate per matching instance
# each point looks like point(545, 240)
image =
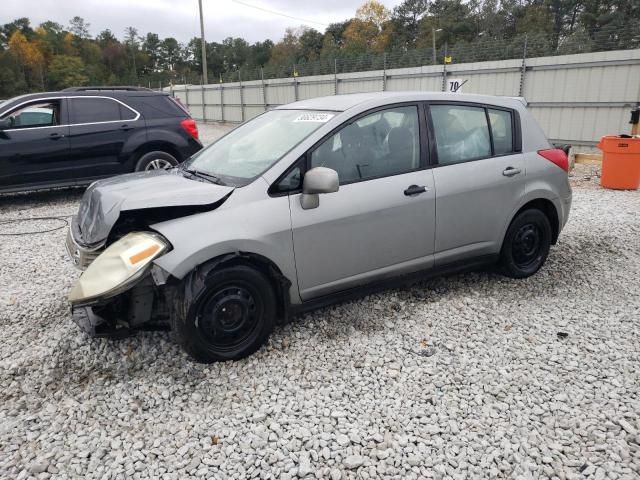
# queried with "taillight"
point(557, 156)
point(190, 127)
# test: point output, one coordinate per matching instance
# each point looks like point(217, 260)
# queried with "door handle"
point(415, 190)
point(125, 127)
point(511, 171)
point(56, 136)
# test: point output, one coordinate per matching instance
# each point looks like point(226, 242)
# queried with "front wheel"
point(526, 244)
point(229, 314)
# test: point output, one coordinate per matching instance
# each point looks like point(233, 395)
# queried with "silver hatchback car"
point(311, 203)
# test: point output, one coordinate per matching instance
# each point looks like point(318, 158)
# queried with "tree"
point(406, 18)
point(370, 31)
point(131, 40)
point(151, 46)
point(79, 28)
point(66, 71)
point(29, 57)
point(171, 54)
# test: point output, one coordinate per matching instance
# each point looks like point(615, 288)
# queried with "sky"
point(179, 18)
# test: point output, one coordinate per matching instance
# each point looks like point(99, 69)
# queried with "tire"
point(155, 161)
point(526, 244)
point(227, 315)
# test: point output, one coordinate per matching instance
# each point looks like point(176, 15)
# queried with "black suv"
point(78, 135)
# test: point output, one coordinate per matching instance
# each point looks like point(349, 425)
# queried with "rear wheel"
point(526, 244)
point(230, 315)
point(156, 161)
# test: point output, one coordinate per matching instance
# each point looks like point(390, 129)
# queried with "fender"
point(240, 225)
point(529, 196)
point(167, 136)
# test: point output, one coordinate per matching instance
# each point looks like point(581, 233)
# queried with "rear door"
point(34, 145)
point(479, 177)
point(381, 221)
point(99, 129)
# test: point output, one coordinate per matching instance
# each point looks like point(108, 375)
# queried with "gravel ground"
point(469, 376)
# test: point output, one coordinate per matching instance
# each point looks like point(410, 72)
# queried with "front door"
point(34, 145)
point(479, 178)
point(381, 221)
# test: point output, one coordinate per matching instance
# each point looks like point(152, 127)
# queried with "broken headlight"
point(121, 264)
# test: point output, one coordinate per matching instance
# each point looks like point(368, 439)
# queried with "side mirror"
point(6, 123)
point(316, 181)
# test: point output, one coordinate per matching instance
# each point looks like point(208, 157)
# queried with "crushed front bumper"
point(81, 256)
point(97, 326)
point(141, 307)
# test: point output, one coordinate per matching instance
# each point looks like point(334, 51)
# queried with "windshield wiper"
point(206, 176)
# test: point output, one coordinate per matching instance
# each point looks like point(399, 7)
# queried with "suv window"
point(501, 130)
point(380, 144)
point(39, 114)
point(462, 133)
point(93, 110)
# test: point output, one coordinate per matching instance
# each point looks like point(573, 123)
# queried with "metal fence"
point(576, 98)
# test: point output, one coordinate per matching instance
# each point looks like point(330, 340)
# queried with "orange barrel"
point(620, 162)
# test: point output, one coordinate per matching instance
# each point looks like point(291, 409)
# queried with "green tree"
point(66, 71)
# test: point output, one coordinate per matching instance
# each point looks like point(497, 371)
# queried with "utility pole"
point(205, 79)
point(433, 40)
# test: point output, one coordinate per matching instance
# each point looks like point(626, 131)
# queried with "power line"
point(279, 13)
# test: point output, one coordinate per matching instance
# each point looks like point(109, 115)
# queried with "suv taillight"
point(190, 127)
point(557, 156)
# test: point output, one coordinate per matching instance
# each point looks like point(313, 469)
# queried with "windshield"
point(255, 146)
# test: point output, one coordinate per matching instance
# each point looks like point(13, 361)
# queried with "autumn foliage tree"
point(371, 30)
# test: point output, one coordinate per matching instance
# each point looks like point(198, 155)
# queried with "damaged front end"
point(112, 241)
point(117, 292)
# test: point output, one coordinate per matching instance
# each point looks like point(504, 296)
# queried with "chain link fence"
point(479, 50)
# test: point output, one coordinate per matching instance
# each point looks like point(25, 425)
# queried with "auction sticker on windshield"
point(315, 117)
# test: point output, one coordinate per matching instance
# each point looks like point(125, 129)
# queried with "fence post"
point(264, 89)
point(335, 76)
point(204, 105)
point(384, 71)
point(444, 68)
point(523, 69)
point(221, 100)
point(241, 97)
point(295, 83)
point(186, 96)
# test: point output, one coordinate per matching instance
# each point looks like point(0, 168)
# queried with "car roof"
point(341, 103)
point(82, 93)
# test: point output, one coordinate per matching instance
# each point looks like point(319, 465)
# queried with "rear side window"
point(94, 110)
point(157, 106)
point(502, 131)
point(126, 113)
point(462, 133)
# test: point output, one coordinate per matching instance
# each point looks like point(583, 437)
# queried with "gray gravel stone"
point(344, 392)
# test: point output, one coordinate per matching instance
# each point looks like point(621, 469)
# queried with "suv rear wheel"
point(526, 244)
point(227, 315)
point(156, 161)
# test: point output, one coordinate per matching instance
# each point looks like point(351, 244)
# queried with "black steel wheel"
point(231, 314)
point(526, 244)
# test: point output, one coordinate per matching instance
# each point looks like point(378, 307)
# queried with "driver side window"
point(381, 144)
point(40, 114)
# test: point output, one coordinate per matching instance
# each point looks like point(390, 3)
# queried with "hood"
point(105, 200)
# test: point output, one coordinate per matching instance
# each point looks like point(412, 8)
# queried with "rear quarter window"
point(156, 107)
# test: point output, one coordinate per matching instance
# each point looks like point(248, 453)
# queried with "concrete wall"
point(576, 98)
